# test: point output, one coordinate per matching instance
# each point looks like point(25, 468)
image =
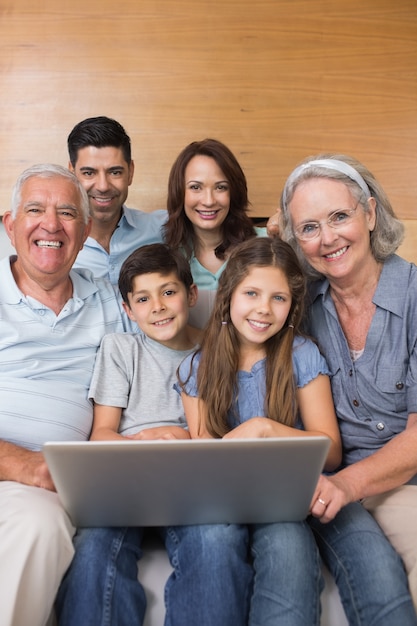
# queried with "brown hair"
point(220, 348)
point(237, 227)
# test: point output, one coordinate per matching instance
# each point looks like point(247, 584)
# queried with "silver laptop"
point(164, 483)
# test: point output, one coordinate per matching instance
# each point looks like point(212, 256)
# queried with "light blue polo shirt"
point(47, 360)
point(135, 229)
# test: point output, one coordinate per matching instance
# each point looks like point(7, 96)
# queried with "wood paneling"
point(409, 247)
point(276, 80)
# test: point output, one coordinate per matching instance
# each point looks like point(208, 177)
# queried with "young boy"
point(134, 373)
point(134, 397)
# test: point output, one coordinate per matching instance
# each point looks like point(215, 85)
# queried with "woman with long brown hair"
point(207, 207)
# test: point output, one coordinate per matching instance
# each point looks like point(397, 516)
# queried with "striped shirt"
point(47, 360)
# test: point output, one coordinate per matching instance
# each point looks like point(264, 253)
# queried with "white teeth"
point(259, 324)
point(163, 322)
point(334, 255)
point(208, 213)
point(41, 243)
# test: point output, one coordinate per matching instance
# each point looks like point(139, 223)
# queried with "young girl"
point(256, 375)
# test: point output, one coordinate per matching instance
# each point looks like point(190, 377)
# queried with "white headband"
point(331, 164)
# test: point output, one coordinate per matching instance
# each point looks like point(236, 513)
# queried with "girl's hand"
point(254, 428)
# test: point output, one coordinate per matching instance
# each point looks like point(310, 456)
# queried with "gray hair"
point(389, 230)
point(49, 170)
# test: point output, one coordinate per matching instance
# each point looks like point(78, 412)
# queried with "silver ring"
point(321, 501)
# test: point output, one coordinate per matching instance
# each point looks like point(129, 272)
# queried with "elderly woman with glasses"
point(363, 313)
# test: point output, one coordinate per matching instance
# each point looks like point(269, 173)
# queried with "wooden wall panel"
point(276, 80)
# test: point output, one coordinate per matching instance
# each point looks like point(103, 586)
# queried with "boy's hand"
point(162, 432)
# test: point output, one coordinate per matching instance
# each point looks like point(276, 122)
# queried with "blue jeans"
point(287, 575)
point(211, 582)
point(212, 579)
point(369, 574)
point(104, 569)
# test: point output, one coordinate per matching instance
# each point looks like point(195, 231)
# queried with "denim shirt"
point(374, 394)
point(308, 363)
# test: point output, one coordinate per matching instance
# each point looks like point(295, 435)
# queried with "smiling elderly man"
point(52, 319)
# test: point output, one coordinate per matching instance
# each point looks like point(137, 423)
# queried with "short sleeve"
point(308, 362)
point(113, 370)
point(187, 373)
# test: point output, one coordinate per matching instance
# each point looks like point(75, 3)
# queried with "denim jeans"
point(212, 579)
point(101, 585)
point(287, 575)
point(211, 582)
point(369, 574)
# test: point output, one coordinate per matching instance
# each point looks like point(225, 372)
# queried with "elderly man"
point(52, 319)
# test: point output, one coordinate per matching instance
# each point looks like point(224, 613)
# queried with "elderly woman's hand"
point(331, 494)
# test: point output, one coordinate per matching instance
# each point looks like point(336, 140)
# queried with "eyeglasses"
point(337, 219)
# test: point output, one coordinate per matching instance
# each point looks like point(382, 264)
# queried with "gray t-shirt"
point(137, 374)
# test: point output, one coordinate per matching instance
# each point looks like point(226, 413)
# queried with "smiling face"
point(338, 253)
point(48, 231)
point(260, 305)
point(159, 304)
point(207, 194)
point(106, 177)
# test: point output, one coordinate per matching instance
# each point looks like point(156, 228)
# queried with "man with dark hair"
point(100, 156)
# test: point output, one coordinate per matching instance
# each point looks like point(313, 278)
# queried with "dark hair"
point(237, 227)
point(99, 132)
point(155, 257)
point(220, 347)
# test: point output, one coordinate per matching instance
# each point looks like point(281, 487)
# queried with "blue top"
point(374, 394)
point(47, 360)
point(135, 228)
point(203, 278)
point(308, 363)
